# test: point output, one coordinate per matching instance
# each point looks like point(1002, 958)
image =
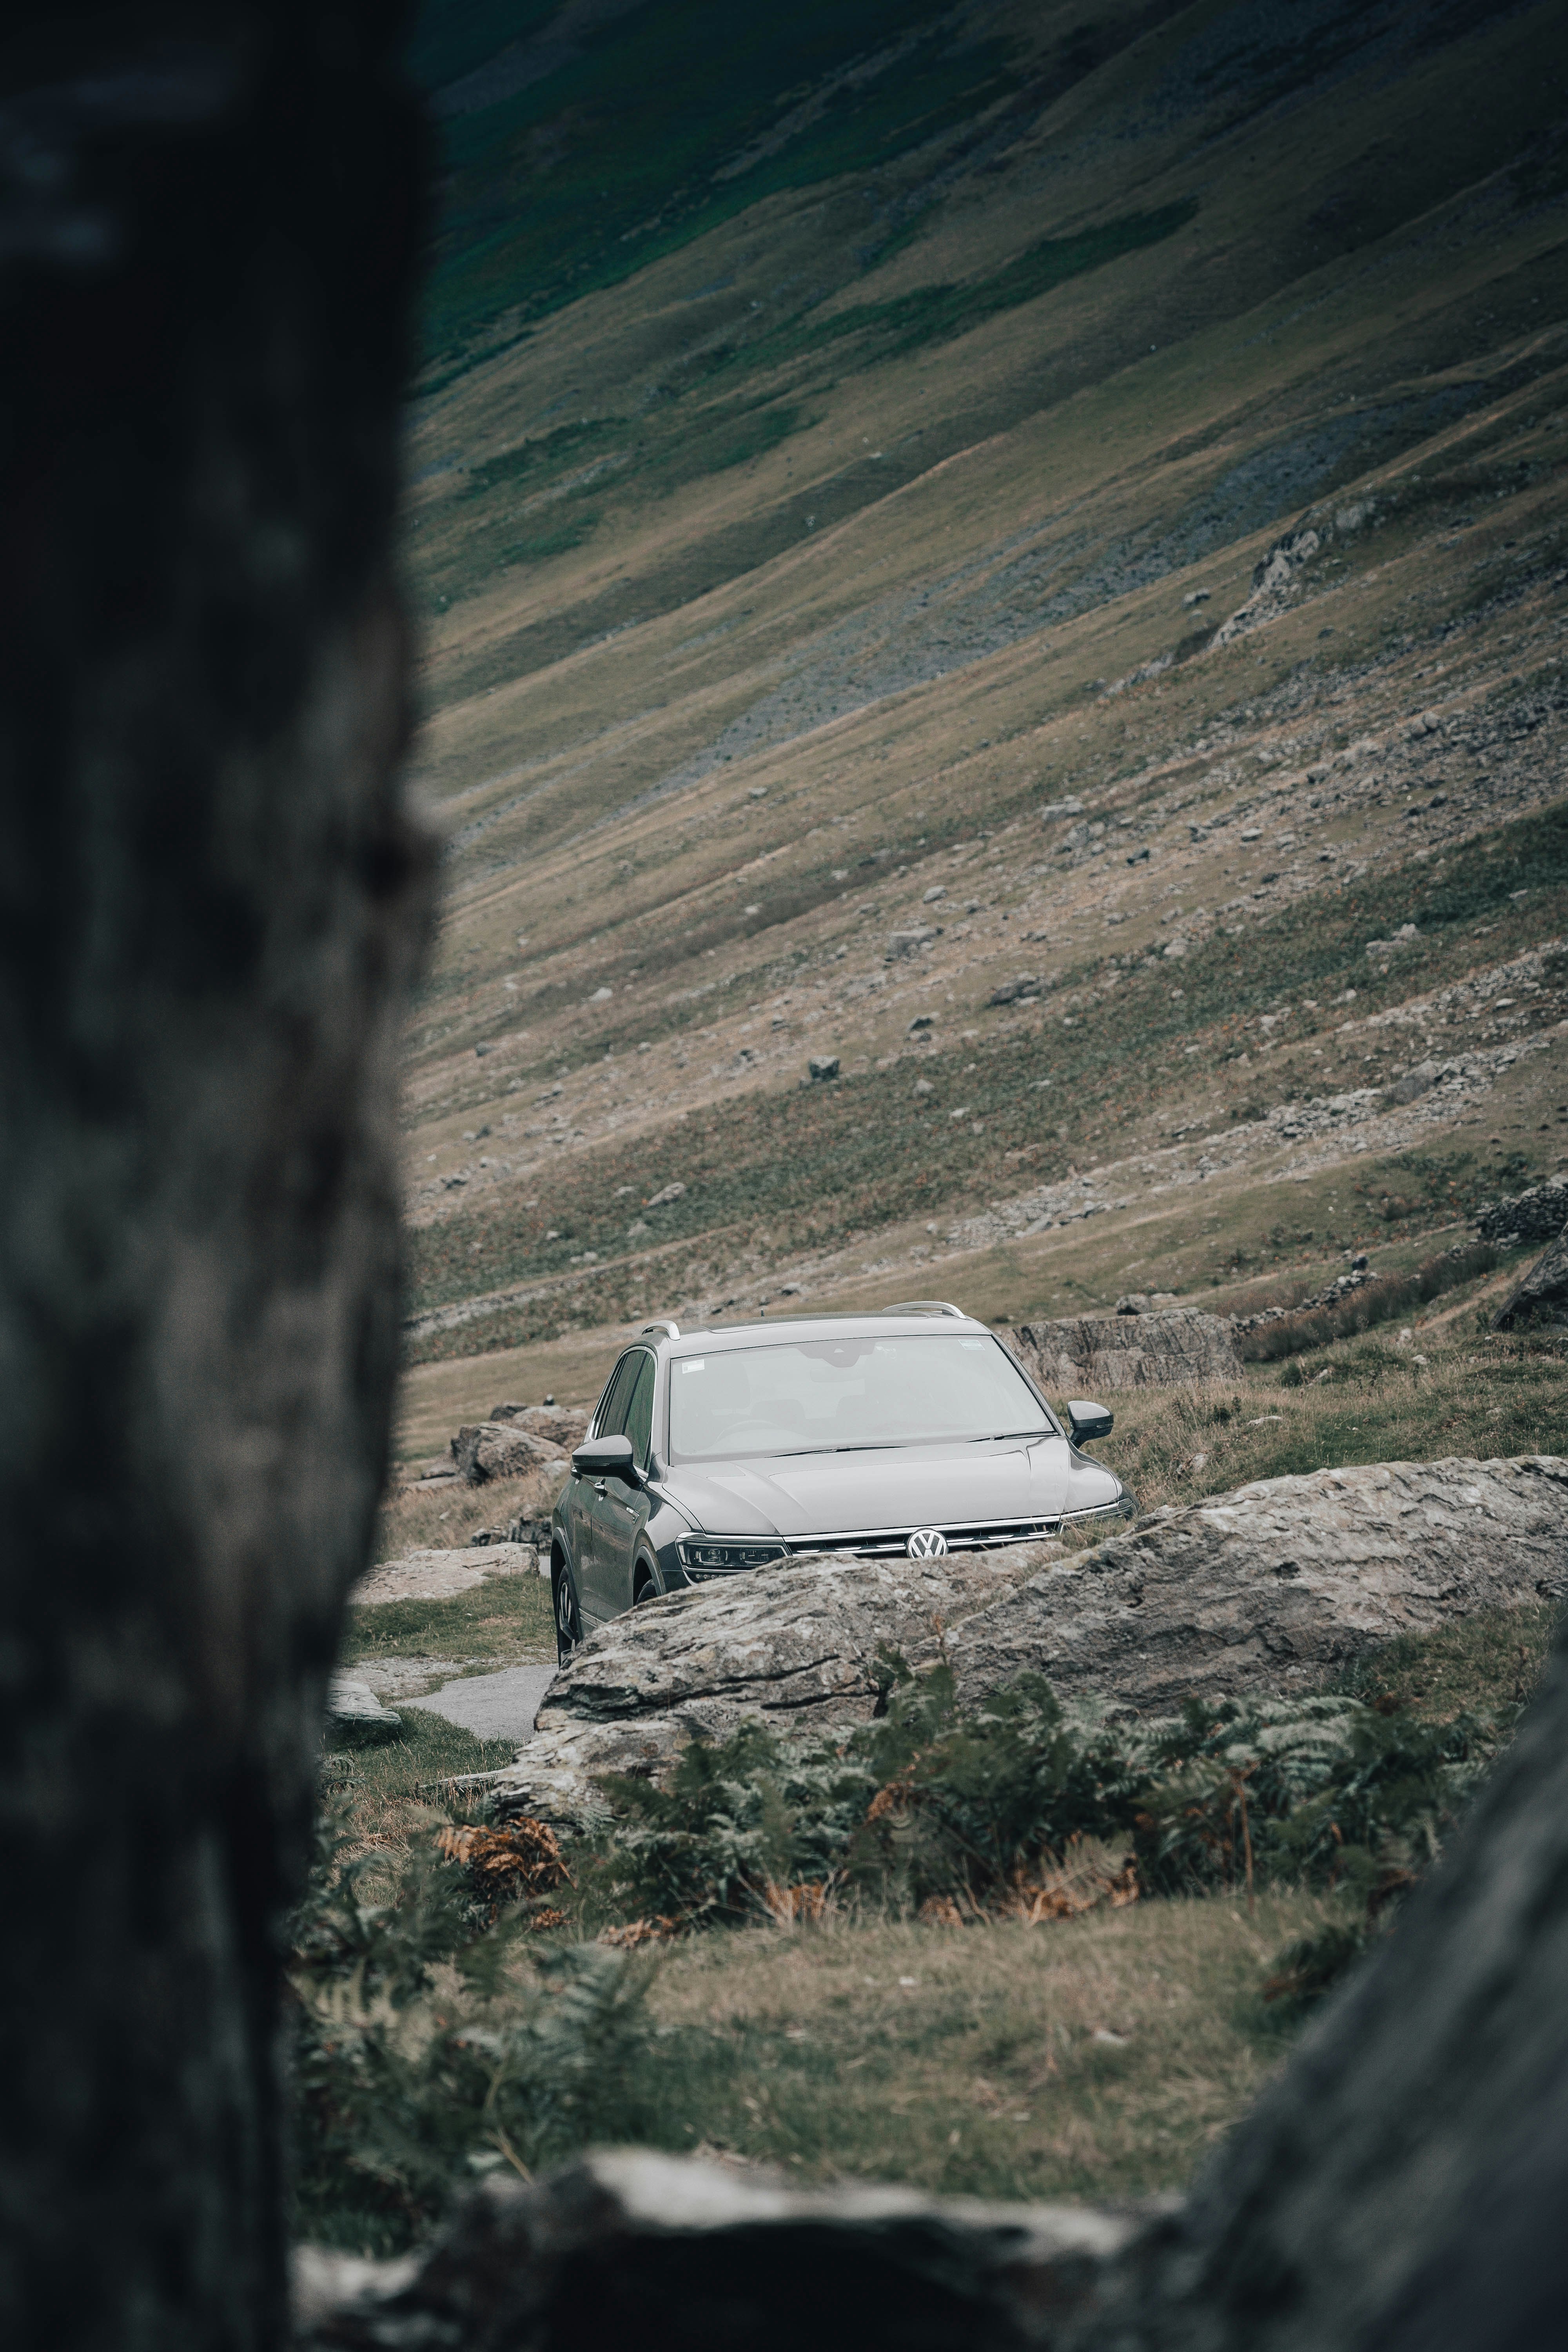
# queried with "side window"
point(610, 1419)
point(640, 1414)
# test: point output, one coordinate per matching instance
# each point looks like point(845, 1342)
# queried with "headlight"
point(1124, 1507)
point(707, 1556)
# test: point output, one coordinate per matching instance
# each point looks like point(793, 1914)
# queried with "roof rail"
point(662, 1325)
point(924, 1306)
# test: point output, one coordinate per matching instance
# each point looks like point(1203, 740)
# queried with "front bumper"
point(701, 1559)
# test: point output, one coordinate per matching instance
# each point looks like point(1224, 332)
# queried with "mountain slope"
point(1164, 418)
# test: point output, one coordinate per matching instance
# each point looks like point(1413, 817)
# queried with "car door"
point(617, 1511)
point(583, 1494)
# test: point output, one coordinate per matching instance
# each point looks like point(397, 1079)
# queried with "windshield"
point(814, 1396)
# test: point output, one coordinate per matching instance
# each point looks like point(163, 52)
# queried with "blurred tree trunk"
point(212, 904)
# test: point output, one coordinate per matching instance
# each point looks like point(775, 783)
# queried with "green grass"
point(391, 1794)
point(816, 1166)
point(1098, 2057)
point(506, 1621)
point(614, 160)
point(476, 535)
point(965, 2060)
point(1492, 1663)
point(934, 314)
point(543, 544)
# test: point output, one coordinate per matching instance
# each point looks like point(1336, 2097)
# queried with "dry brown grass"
point(1475, 1395)
point(443, 1518)
point(1095, 2056)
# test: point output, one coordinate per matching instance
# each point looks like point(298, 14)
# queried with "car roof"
point(921, 1321)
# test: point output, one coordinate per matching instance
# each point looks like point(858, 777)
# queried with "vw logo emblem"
point(927, 1543)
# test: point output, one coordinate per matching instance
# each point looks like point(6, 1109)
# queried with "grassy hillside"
point(849, 445)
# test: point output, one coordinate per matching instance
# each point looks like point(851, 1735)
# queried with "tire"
point(646, 1589)
point(568, 1624)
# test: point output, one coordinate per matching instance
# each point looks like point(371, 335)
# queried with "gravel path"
point(494, 1706)
point(438, 1575)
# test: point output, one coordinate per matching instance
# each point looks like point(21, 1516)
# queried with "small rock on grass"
point(356, 1717)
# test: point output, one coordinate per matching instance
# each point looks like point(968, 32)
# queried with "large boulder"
point(633, 2247)
point(560, 1425)
point(485, 1450)
point(1542, 1296)
point(1262, 1589)
point(1279, 1582)
point(798, 1647)
point(1174, 1347)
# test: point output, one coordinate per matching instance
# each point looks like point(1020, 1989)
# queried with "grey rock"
point(554, 1778)
point(437, 1574)
point(1132, 1348)
point(1278, 1582)
point(558, 1424)
point(1542, 1296)
point(1538, 1215)
point(1254, 1589)
point(909, 943)
point(1012, 989)
point(634, 2247)
point(1400, 938)
point(1415, 1082)
point(356, 1717)
point(795, 1646)
point(498, 1449)
point(823, 1066)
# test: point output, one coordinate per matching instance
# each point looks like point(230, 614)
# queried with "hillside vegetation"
point(1021, 552)
point(1089, 491)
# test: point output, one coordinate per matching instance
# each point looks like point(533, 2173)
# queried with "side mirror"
point(607, 1457)
point(1087, 1422)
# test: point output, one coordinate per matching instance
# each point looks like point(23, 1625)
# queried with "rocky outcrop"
point(1538, 1215)
point(436, 1575)
point(501, 1449)
point(637, 2248)
point(1542, 1296)
point(1262, 1589)
point(1277, 1582)
point(558, 1424)
point(797, 1647)
point(1169, 1348)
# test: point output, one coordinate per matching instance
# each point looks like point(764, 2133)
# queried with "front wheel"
point(568, 1625)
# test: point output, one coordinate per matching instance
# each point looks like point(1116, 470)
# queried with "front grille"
point(886, 1543)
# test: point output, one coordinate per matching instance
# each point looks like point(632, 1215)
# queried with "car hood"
point(867, 1488)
